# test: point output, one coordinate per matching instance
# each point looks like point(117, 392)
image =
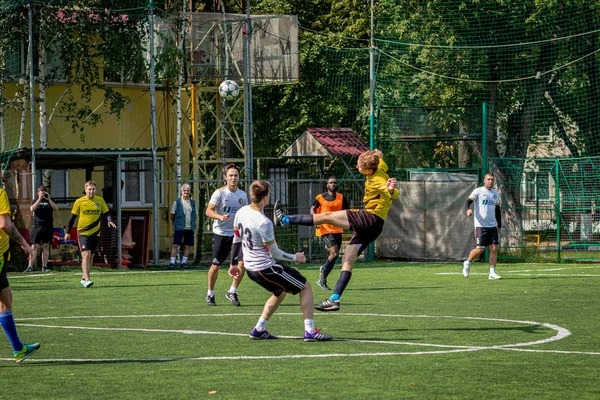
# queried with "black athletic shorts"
point(279, 278)
point(366, 227)
point(334, 239)
point(221, 247)
point(88, 243)
point(485, 236)
point(40, 234)
point(3, 278)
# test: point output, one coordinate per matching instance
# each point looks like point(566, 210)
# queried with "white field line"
point(561, 333)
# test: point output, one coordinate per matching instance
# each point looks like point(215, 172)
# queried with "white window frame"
point(52, 56)
point(142, 177)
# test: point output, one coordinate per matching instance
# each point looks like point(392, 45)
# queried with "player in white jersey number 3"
point(487, 217)
point(254, 237)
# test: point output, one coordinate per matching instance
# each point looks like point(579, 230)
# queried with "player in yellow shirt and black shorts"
point(89, 208)
point(366, 224)
point(8, 231)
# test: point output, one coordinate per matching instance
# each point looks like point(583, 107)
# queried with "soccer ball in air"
point(229, 89)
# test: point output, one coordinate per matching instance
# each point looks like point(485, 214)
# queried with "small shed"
point(332, 143)
point(327, 142)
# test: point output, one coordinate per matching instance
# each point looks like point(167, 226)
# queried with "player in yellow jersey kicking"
point(366, 224)
point(89, 208)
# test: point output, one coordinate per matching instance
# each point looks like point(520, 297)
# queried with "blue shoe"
point(27, 350)
point(264, 335)
point(317, 336)
point(171, 266)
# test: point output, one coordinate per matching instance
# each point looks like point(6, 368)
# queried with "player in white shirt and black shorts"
point(486, 204)
point(255, 240)
point(222, 206)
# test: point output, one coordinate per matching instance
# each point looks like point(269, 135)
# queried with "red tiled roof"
point(339, 141)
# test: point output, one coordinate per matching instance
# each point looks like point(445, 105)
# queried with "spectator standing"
point(42, 230)
point(183, 215)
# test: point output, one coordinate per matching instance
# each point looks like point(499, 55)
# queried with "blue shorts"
point(187, 236)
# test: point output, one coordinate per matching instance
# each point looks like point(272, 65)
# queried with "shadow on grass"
point(533, 329)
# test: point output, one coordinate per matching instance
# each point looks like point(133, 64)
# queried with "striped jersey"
point(377, 198)
point(89, 212)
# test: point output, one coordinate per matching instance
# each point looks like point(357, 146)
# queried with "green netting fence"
point(551, 208)
point(458, 85)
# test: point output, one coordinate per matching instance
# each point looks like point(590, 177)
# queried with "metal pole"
point(248, 98)
point(484, 158)
point(156, 197)
point(31, 102)
point(372, 82)
point(224, 108)
point(119, 192)
point(557, 207)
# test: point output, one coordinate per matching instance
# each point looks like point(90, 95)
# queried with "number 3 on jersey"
point(246, 236)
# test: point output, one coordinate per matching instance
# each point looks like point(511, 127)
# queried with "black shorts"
point(88, 243)
point(278, 279)
point(3, 278)
point(187, 236)
point(366, 227)
point(221, 247)
point(334, 239)
point(40, 234)
point(485, 237)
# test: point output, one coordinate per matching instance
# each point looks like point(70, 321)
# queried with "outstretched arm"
point(11, 230)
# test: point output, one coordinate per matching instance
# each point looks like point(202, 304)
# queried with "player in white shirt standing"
point(486, 203)
point(255, 239)
point(223, 205)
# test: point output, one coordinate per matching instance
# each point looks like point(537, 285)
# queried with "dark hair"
point(259, 190)
point(229, 166)
point(42, 189)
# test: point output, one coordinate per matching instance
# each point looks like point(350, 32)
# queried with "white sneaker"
point(82, 282)
point(88, 283)
point(28, 269)
point(466, 268)
point(493, 275)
